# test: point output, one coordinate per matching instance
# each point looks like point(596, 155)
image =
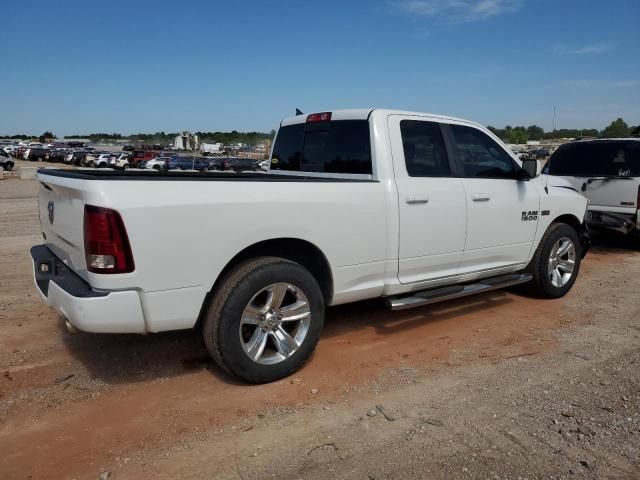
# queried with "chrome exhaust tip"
point(70, 328)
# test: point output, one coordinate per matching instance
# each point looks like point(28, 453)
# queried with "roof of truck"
point(363, 114)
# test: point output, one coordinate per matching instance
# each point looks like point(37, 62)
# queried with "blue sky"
point(134, 66)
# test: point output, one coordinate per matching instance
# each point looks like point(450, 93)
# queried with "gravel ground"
point(494, 386)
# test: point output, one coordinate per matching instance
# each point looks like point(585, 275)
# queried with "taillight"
point(319, 117)
point(106, 245)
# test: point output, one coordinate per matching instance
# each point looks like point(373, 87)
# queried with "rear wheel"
point(556, 263)
point(156, 167)
point(265, 319)
point(8, 166)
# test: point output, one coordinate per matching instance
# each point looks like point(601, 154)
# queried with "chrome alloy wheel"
point(274, 323)
point(562, 261)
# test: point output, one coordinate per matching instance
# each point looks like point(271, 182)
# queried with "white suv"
point(607, 172)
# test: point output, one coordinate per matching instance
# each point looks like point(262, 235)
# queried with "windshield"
point(597, 159)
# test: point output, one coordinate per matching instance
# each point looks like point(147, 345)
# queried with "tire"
point(156, 167)
point(205, 170)
point(8, 166)
point(544, 283)
point(247, 286)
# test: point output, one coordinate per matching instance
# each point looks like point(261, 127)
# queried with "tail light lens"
point(106, 245)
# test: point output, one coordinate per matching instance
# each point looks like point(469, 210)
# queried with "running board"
point(427, 297)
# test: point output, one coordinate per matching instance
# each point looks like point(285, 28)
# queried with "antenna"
point(299, 112)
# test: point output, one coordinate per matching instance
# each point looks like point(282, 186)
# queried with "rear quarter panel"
point(183, 234)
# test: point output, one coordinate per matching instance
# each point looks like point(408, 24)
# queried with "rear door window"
point(339, 146)
point(424, 151)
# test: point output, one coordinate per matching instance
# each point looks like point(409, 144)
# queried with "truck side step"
point(435, 295)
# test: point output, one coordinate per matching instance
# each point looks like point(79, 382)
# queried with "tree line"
point(519, 135)
point(509, 134)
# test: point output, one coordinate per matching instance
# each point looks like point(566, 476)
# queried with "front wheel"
point(265, 319)
point(8, 166)
point(556, 263)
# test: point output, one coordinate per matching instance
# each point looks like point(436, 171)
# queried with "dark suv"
point(189, 163)
point(240, 164)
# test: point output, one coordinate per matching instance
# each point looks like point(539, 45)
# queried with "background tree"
point(535, 132)
point(518, 135)
point(46, 135)
point(618, 128)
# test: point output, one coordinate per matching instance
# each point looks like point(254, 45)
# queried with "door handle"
point(480, 197)
point(416, 199)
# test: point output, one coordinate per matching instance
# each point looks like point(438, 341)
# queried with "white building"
point(186, 141)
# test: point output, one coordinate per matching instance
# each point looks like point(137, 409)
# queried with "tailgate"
point(615, 194)
point(61, 208)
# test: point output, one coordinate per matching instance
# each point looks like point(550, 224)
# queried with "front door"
point(502, 212)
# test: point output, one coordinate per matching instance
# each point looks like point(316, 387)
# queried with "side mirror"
point(531, 167)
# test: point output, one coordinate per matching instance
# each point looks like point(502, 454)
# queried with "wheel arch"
point(296, 250)
point(570, 220)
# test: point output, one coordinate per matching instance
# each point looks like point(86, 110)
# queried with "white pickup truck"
point(415, 208)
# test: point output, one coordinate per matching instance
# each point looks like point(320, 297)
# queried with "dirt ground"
point(495, 386)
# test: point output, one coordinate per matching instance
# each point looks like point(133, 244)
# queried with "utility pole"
point(554, 118)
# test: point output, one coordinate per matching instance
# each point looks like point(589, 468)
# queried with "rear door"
point(502, 212)
point(432, 205)
point(607, 172)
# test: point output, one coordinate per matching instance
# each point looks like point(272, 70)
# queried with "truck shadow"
point(116, 359)
point(613, 243)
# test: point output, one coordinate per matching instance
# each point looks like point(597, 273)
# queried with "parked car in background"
point(607, 172)
point(77, 158)
point(36, 154)
point(540, 154)
point(200, 164)
point(359, 204)
point(157, 163)
point(215, 163)
point(128, 148)
point(6, 161)
point(57, 155)
point(103, 160)
point(241, 164)
point(141, 156)
point(120, 161)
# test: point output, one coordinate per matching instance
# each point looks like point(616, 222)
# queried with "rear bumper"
point(84, 308)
